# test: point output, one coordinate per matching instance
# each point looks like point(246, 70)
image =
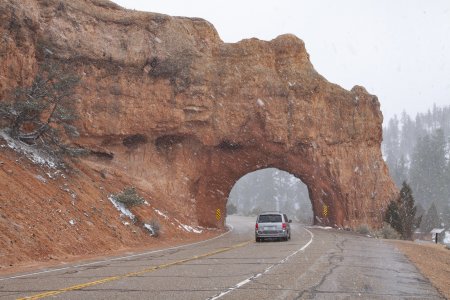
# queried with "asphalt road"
point(315, 264)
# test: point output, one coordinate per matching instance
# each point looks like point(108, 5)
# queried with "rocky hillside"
point(49, 215)
point(166, 106)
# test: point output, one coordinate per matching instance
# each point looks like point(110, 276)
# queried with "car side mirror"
point(290, 221)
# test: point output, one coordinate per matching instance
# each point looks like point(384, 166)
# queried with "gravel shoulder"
point(432, 260)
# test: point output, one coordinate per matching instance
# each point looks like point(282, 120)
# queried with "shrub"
point(154, 227)
point(129, 197)
point(363, 229)
point(387, 232)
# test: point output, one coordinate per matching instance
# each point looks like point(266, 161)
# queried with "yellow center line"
point(131, 274)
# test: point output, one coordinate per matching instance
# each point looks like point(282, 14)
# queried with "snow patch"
point(191, 229)
point(161, 213)
point(35, 155)
point(41, 179)
point(121, 207)
point(321, 227)
point(150, 229)
point(260, 102)
point(447, 237)
point(188, 228)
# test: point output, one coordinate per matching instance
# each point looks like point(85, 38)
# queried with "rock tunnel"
point(271, 189)
point(333, 204)
point(167, 104)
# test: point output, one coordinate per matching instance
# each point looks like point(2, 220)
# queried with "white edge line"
point(244, 282)
point(231, 228)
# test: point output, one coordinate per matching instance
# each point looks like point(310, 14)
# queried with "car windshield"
point(269, 219)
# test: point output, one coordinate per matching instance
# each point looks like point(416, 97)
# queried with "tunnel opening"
point(271, 189)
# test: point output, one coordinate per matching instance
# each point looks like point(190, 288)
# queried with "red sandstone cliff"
point(183, 115)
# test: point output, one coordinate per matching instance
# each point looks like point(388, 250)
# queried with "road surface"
point(315, 264)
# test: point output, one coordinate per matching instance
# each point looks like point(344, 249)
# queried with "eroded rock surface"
point(164, 102)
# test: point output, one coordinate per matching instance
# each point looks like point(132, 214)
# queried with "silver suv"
point(272, 225)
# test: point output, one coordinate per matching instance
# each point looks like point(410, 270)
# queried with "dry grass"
point(432, 260)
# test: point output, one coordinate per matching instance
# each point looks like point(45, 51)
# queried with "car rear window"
point(269, 219)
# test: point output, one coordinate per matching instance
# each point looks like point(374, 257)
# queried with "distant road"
point(314, 264)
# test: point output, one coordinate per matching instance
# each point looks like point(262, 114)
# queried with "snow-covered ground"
point(125, 212)
point(35, 155)
point(447, 237)
point(121, 207)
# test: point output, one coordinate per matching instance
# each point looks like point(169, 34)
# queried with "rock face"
point(166, 103)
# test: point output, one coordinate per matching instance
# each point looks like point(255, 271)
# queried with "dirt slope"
point(50, 215)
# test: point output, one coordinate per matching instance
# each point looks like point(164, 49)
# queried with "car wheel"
point(258, 239)
point(289, 237)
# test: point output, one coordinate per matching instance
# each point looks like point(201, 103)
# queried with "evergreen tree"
point(420, 213)
point(446, 196)
point(431, 219)
point(400, 172)
point(392, 216)
point(43, 114)
point(407, 211)
point(408, 135)
point(391, 144)
point(427, 171)
point(401, 213)
point(445, 216)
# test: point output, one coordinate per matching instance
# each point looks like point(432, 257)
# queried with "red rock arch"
point(225, 167)
point(168, 106)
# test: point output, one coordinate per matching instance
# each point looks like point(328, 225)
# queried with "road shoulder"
point(432, 260)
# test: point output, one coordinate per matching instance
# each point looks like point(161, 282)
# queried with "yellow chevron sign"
point(218, 214)
point(325, 210)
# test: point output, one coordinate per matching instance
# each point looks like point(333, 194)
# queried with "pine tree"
point(401, 213)
point(391, 144)
point(392, 216)
point(420, 213)
point(43, 113)
point(400, 172)
point(407, 211)
point(408, 135)
point(431, 219)
point(427, 171)
point(445, 216)
point(40, 111)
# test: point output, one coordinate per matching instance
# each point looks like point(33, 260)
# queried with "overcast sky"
point(398, 50)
